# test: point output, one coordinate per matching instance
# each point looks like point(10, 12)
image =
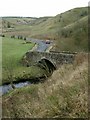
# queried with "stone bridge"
point(56, 58)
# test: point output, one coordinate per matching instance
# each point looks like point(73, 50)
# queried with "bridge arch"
point(56, 59)
point(47, 64)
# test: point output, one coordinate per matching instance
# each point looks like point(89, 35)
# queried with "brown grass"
point(64, 94)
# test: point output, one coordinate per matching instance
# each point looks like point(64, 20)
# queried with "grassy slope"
point(74, 37)
point(62, 95)
point(70, 27)
point(12, 53)
point(65, 93)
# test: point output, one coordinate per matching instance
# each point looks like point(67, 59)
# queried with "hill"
point(63, 95)
point(68, 28)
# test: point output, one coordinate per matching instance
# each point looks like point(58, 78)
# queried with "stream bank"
point(41, 46)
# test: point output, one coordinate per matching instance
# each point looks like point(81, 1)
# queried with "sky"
point(38, 8)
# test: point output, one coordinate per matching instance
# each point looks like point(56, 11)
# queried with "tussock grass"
point(63, 95)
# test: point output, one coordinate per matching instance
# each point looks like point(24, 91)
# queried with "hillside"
point(68, 28)
point(63, 95)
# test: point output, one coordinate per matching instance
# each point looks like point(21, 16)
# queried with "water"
point(6, 88)
point(42, 46)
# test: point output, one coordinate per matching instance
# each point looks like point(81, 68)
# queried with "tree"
point(8, 25)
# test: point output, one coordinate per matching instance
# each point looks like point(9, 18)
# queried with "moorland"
point(64, 94)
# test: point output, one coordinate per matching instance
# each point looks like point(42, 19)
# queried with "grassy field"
point(12, 53)
point(63, 95)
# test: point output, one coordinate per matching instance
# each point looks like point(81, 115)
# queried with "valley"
point(45, 65)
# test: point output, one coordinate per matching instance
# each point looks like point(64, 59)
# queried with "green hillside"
point(68, 29)
point(73, 37)
point(65, 93)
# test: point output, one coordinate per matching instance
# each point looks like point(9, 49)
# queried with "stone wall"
point(56, 58)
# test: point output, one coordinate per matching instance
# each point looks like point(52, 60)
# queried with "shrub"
point(24, 38)
point(20, 37)
point(3, 35)
point(83, 13)
point(8, 25)
point(13, 36)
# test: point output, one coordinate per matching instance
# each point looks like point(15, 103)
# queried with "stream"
point(42, 46)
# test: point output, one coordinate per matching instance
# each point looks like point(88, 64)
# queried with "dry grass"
point(64, 94)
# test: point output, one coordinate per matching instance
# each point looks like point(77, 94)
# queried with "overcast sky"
point(38, 8)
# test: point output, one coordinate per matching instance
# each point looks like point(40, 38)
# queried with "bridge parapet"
point(55, 57)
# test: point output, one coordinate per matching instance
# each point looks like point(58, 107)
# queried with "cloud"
point(38, 8)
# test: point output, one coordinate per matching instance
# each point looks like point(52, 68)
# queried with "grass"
point(61, 28)
point(76, 35)
point(12, 53)
point(63, 95)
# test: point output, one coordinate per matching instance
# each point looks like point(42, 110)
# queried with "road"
point(41, 46)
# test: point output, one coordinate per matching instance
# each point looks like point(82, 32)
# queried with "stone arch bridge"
point(56, 58)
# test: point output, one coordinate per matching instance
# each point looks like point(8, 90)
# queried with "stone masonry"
point(56, 58)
